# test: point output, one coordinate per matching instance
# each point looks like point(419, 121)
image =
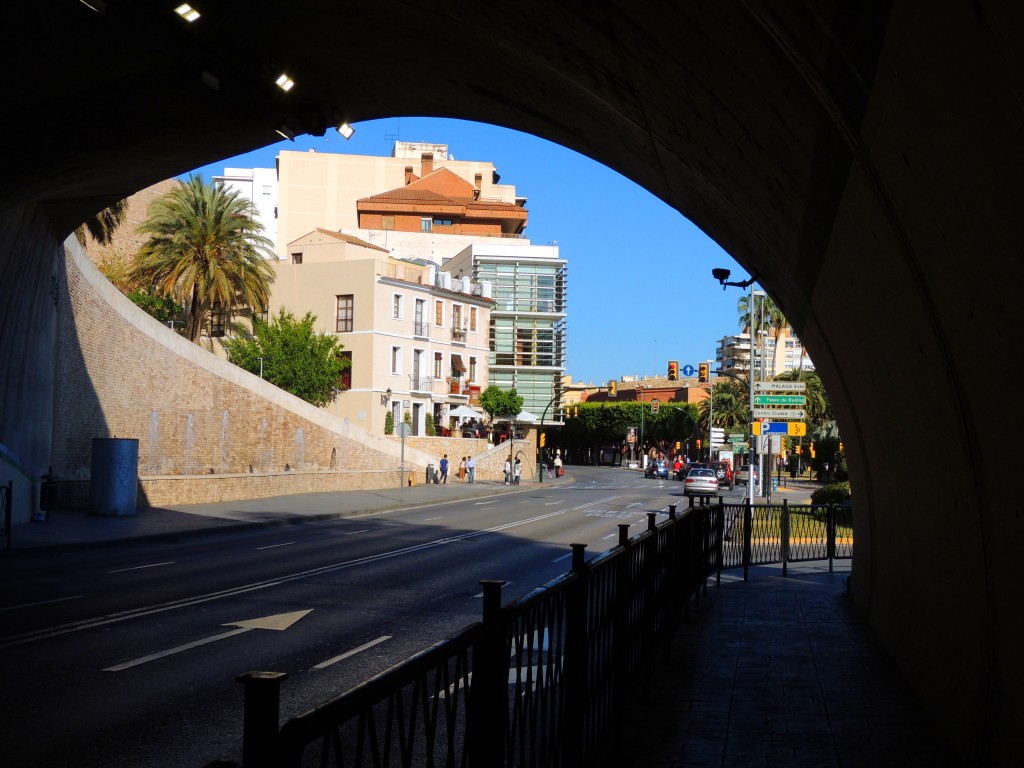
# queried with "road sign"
point(780, 386)
point(737, 438)
point(780, 413)
point(791, 428)
point(779, 400)
point(688, 370)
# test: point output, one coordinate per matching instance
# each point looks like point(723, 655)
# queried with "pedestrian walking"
point(508, 472)
point(517, 471)
point(444, 469)
point(462, 469)
point(558, 466)
point(471, 469)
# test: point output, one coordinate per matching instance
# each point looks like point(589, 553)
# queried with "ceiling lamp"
point(284, 82)
point(346, 130)
point(285, 131)
point(187, 12)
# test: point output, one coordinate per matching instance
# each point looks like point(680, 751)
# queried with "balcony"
point(421, 385)
point(459, 335)
point(421, 329)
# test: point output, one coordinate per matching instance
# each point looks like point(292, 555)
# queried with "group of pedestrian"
point(513, 471)
point(466, 470)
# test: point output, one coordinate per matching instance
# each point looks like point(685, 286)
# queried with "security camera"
point(721, 275)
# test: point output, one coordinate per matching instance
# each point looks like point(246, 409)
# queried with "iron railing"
point(543, 680)
point(6, 511)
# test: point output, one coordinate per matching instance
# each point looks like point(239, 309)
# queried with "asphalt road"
point(127, 655)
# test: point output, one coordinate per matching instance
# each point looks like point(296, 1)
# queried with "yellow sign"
point(793, 428)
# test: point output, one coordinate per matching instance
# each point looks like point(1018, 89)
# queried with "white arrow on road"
point(278, 623)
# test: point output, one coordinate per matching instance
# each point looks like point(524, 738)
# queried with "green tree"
point(205, 248)
point(730, 406)
point(499, 403)
point(294, 356)
point(389, 423)
point(428, 425)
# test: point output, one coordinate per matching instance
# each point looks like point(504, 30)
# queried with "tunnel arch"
point(862, 159)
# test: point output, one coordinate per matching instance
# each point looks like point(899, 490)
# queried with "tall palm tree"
point(731, 405)
point(819, 409)
point(767, 317)
point(205, 249)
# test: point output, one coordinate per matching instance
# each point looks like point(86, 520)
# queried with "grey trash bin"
point(114, 480)
point(430, 474)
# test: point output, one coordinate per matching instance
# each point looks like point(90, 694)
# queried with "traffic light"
point(797, 450)
point(575, 411)
point(655, 404)
point(811, 449)
point(702, 372)
point(679, 445)
point(613, 388)
point(698, 442)
point(673, 370)
point(783, 444)
point(543, 440)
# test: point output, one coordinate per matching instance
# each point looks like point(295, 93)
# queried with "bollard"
point(261, 715)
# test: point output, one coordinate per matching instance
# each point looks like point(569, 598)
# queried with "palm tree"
point(731, 405)
point(767, 317)
point(102, 225)
point(819, 409)
point(205, 249)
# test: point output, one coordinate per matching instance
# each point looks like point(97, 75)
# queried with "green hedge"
point(836, 493)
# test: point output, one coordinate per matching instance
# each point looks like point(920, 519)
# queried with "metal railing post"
point(784, 535)
point(620, 637)
point(489, 700)
point(261, 718)
point(577, 693)
point(748, 524)
point(719, 543)
point(7, 511)
point(830, 528)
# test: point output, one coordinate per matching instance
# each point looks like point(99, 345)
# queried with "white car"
point(700, 482)
point(743, 474)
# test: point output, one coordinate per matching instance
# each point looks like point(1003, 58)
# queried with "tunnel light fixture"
point(284, 82)
point(187, 12)
point(285, 131)
point(345, 130)
point(95, 5)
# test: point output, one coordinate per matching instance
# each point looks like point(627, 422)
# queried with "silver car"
point(700, 482)
point(743, 474)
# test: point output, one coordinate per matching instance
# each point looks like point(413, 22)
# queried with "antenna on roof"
point(398, 131)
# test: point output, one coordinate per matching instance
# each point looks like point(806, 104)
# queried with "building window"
point(343, 323)
point(218, 319)
point(426, 224)
point(396, 360)
point(471, 376)
point(438, 360)
point(387, 222)
point(456, 316)
point(396, 307)
point(442, 222)
point(296, 258)
point(472, 319)
point(439, 313)
point(345, 379)
point(265, 315)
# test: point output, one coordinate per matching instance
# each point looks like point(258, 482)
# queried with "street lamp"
point(261, 366)
point(722, 276)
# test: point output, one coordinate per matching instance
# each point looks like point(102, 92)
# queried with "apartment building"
point(770, 358)
point(416, 339)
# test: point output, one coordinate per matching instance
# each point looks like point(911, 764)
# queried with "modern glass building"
point(528, 322)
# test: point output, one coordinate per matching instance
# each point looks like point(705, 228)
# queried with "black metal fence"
point(541, 681)
point(6, 511)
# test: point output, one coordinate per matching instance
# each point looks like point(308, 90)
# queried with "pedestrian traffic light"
point(543, 439)
point(613, 388)
point(702, 372)
point(673, 370)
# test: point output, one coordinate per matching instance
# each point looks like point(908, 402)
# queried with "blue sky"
point(640, 285)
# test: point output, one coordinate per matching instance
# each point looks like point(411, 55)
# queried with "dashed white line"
point(142, 567)
point(40, 602)
point(272, 546)
point(429, 519)
point(563, 557)
point(353, 533)
point(353, 652)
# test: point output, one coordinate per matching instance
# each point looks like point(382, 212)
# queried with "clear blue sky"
point(640, 285)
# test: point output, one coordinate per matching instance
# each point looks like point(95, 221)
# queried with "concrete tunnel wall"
point(862, 159)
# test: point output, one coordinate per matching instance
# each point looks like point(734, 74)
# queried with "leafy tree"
point(499, 403)
point(389, 423)
point(205, 248)
point(162, 308)
point(295, 357)
point(730, 406)
point(602, 424)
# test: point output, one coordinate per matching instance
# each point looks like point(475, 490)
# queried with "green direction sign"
point(737, 438)
point(780, 399)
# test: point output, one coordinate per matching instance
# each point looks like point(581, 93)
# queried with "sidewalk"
point(77, 528)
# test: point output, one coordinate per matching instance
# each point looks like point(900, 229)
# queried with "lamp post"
point(722, 276)
point(261, 366)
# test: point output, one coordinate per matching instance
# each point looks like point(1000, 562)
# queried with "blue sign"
point(774, 428)
point(688, 370)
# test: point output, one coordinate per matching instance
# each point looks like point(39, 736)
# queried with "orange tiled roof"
point(440, 188)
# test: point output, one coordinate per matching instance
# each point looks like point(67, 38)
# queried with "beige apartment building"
point(417, 340)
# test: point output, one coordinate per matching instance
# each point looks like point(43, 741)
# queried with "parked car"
point(723, 471)
point(743, 474)
point(700, 482)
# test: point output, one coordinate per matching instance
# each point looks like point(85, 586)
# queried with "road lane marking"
point(353, 652)
point(430, 519)
point(353, 533)
point(40, 602)
point(272, 546)
point(563, 557)
point(485, 503)
point(141, 567)
point(610, 536)
point(171, 605)
point(278, 623)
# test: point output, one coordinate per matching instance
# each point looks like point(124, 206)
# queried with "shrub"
point(428, 425)
point(389, 423)
point(836, 493)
